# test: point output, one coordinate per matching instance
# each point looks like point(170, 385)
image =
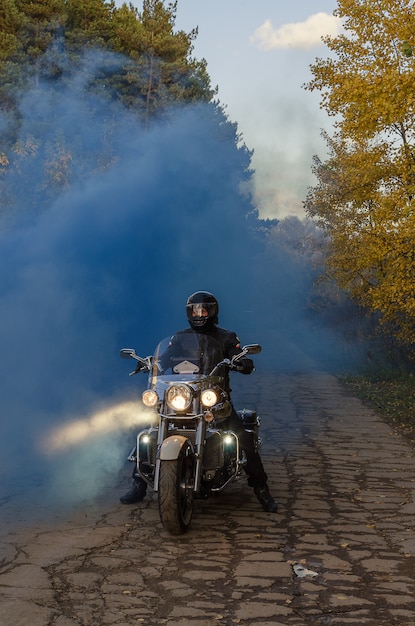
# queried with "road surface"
point(341, 549)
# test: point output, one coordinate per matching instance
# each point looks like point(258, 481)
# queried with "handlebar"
point(232, 363)
point(146, 363)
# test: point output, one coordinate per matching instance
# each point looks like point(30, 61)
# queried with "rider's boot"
point(267, 501)
point(137, 492)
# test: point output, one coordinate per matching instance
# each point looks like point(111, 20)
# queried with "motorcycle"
point(185, 453)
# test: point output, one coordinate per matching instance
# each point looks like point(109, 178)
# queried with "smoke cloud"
point(108, 264)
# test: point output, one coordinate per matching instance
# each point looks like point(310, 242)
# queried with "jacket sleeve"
point(232, 345)
point(245, 366)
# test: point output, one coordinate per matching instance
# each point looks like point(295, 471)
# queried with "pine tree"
point(101, 57)
point(41, 24)
point(162, 71)
point(11, 53)
point(89, 23)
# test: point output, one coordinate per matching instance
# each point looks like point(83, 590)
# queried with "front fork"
point(170, 446)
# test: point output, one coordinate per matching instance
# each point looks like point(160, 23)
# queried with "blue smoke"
point(110, 261)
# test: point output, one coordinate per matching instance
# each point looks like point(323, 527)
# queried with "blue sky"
point(258, 53)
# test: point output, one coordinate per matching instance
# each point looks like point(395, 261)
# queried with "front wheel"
point(175, 492)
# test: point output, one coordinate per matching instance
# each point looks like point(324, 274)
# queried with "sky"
point(259, 53)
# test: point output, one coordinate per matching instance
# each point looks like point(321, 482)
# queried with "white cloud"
point(304, 35)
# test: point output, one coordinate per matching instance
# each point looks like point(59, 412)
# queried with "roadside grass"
point(390, 394)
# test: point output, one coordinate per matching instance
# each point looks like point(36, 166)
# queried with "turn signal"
point(208, 416)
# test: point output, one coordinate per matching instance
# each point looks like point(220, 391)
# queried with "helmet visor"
point(201, 309)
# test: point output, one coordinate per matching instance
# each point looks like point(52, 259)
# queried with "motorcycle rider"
point(202, 311)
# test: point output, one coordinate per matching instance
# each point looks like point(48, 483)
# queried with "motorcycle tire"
point(176, 492)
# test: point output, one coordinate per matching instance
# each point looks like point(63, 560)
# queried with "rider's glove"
point(245, 366)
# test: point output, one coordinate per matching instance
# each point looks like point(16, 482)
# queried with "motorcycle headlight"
point(179, 397)
point(149, 398)
point(209, 397)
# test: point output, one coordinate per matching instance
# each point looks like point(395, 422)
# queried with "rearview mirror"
point(252, 348)
point(128, 353)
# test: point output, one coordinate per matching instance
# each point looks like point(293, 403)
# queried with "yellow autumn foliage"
point(365, 196)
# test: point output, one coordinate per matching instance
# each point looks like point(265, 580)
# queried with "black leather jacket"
point(228, 341)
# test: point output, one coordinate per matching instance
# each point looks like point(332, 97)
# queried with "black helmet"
point(202, 310)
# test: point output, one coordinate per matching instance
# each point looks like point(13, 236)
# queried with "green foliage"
point(11, 21)
point(161, 69)
point(136, 62)
point(365, 197)
point(88, 23)
point(157, 68)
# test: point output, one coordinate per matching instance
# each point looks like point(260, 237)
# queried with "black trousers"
point(254, 467)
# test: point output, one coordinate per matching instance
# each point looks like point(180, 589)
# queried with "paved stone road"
point(340, 551)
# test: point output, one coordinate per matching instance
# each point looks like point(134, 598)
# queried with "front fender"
point(171, 447)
